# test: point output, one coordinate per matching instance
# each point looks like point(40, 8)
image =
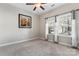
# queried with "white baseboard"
point(64, 44)
point(18, 42)
point(42, 38)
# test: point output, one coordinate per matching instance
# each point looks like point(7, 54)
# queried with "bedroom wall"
point(9, 31)
point(42, 28)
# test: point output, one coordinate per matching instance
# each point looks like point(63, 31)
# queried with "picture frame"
point(24, 21)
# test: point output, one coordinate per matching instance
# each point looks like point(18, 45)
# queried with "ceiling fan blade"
point(34, 9)
point(43, 3)
point(42, 8)
point(30, 3)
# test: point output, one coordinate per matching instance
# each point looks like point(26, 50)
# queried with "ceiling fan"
point(36, 5)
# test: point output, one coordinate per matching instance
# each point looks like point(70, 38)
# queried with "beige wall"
point(9, 31)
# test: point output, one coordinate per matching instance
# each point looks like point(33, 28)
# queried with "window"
point(50, 24)
point(64, 23)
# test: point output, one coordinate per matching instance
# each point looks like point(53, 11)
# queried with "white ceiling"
point(38, 11)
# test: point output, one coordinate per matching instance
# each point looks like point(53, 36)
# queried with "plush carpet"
point(37, 48)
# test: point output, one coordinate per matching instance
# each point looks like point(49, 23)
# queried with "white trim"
point(74, 35)
point(65, 44)
point(18, 42)
point(42, 38)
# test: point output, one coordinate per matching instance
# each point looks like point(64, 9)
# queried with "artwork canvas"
point(25, 21)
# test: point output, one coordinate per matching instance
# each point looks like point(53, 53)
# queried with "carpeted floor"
point(37, 48)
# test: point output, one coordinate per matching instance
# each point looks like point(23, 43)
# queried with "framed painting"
point(25, 21)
